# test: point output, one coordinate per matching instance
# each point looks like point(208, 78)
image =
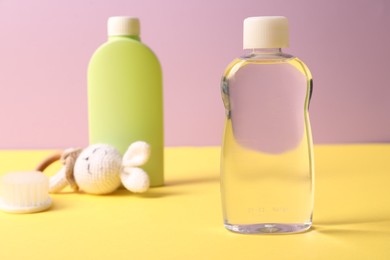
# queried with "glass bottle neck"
point(265, 50)
point(119, 37)
point(266, 53)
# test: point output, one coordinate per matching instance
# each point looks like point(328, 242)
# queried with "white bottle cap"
point(123, 25)
point(265, 32)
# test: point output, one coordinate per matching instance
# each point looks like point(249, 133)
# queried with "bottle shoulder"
point(125, 49)
point(261, 60)
point(128, 42)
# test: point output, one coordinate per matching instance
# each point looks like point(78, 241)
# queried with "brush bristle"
point(24, 192)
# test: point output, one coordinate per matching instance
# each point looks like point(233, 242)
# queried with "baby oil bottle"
point(125, 97)
point(267, 168)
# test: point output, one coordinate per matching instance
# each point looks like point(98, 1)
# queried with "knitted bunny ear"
point(137, 154)
point(135, 179)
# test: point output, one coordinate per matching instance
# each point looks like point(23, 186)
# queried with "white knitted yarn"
point(58, 182)
point(135, 179)
point(97, 169)
point(137, 154)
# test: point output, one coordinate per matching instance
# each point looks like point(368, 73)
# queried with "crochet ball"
point(97, 169)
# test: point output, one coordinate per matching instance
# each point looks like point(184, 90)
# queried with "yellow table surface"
point(183, 219)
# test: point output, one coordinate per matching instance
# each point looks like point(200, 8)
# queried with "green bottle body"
point(125, 100)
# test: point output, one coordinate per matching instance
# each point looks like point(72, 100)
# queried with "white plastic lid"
point(265, 32)
point(123, 25)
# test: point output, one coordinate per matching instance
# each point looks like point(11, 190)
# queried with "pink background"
point(46, 46)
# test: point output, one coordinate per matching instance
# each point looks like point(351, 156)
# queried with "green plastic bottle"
point(125, 99)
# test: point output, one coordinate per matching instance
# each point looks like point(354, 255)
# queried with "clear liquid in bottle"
point(267, 171)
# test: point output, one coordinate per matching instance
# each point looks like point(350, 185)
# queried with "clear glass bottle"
point(267, 167)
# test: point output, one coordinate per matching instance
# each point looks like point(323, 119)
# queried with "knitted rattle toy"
point(100, 169)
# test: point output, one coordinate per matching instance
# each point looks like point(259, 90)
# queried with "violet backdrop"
point(46, 46)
